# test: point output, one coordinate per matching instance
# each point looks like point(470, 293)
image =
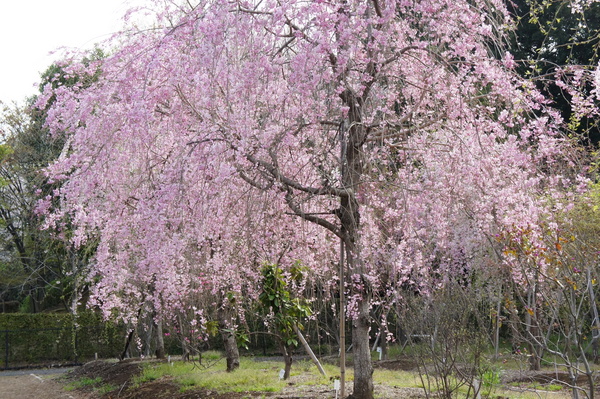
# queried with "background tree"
point(553, 39)
point(43, 269)
point(40, 260)
point(554, 309)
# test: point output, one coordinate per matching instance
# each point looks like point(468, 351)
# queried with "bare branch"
point(253, 182)
point(248, 11)
point(274, 171)
point(311, 217)
point(402, 132)
point(285, 45)
point(399, 54)
point(187, 102)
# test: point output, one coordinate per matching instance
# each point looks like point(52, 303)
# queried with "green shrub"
point(47, 337)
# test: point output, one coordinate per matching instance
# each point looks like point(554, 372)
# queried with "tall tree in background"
point(30, 253)
point(237, 133)
point(41, 268)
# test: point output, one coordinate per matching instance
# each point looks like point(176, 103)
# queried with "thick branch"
point(187, 102)
point(274, 171)
point(311, 217)
point(253, 182)
point(248, 11)
point(377, 8)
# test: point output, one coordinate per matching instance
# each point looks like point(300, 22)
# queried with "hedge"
point(43, 338)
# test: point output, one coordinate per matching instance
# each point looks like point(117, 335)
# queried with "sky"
point(31, 29)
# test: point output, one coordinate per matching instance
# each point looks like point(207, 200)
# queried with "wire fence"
point(52, 347)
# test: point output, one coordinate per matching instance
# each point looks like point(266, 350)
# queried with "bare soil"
point(119, 374)
point(32, 386)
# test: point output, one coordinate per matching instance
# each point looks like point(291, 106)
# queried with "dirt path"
point(33, 386)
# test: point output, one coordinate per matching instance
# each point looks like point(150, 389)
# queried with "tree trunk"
point(384, 344)
point(534, 359)
point(160, 341)
point(363, 366)
point(352, 141)
point(125, 352)
point(185, 351)
point(532, 328)
point(231, 350)
point(287, 358)
point(232, 353)
point(497, 328)
point(148, 337)
point(595, 316)
point(342, 319)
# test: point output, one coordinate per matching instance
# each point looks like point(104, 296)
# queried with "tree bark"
point(352, 153)
point(231, 350)
point(384, 344)
point(287, 359)
point(125, 353)
point(160, 341)
point(148, 337)
point(232, 353)
point(595, 316)
point(363, 366)
point(533, 330)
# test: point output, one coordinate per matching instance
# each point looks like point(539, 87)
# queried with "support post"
point(309, 351)
point(342, 325)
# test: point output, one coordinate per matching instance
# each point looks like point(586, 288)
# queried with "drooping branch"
point(188, 103)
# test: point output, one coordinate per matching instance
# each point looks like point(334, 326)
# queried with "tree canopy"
point(235, 134)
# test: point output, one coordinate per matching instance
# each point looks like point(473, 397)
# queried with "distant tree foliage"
point(551, 36)
point(38, 268)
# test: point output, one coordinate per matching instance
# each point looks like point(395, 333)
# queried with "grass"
point(95, 383)
point(251, 376)
point(257, 376)
point(397, 378)
point(106, 388)
point(538, 386)
point(82, 383)
point(306, 373)
point(263, 376)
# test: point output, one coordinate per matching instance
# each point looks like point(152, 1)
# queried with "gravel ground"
point(53, 372)
point(35, 384)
